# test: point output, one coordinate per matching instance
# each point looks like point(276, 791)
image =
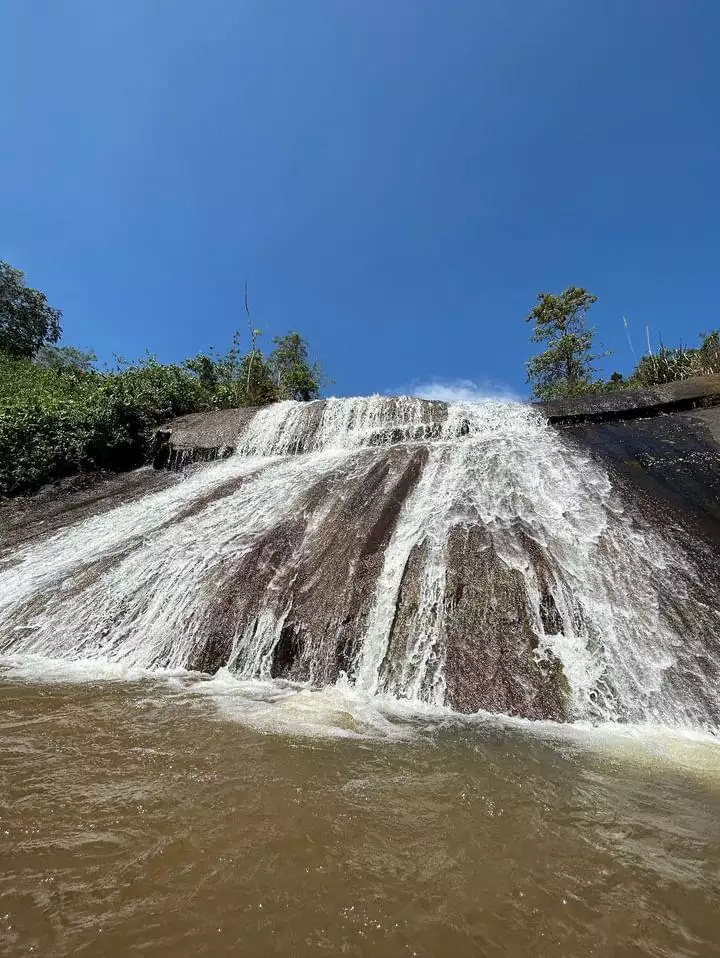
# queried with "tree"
point(27, 320)
point(295, 375)
point(258, 386)
point(565, 367)
point(232, 379)
point(65, 358)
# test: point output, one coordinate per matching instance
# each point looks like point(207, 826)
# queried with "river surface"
point(176, 816)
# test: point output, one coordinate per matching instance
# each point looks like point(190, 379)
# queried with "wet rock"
point(68, 501)
point(199, 437)
point(490, 662)
point(314, 573)
point(668, 466)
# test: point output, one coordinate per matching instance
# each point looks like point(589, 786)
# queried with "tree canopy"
point(65, 358)
point(565, 366)
point(27, 321)
point(295, 376)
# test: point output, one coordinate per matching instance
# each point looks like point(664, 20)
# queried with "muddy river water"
point(173, 816)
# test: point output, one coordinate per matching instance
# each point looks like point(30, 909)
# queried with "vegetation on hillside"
point(566, 366)
point(668, 365)
point(60, 415)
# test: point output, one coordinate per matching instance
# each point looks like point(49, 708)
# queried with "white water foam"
point(130, 586)
point(344, 712)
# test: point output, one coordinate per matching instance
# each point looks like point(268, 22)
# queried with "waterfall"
point(460, 554)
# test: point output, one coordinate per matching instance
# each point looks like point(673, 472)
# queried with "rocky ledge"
point(205, 436)
point(628, 403)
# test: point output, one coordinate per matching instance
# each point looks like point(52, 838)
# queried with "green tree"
point(65, 358)
point(296, 377)
point(204, 367)
point(565, 367)
point(258, 385)
point(27, 320)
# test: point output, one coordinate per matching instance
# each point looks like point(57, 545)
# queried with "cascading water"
point(461, 554)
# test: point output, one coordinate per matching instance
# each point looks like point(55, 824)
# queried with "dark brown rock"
point(316, 570)
point(490, 637)
point(68, 501)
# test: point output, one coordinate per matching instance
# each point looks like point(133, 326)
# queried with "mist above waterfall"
point(460, 390)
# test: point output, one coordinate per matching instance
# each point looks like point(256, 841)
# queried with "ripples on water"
point(179, 816)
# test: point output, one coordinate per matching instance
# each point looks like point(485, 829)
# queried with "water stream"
point(386, 591)
point(137, 585)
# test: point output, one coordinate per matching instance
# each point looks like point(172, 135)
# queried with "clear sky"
point(396, 179)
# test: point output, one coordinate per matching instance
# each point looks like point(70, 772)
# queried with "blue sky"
point(395, 178)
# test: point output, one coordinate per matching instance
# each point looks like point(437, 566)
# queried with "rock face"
point(667, 461)
point(70, 501)
point(549, 563)
point(665, 468)
point(199, 437)
point(627, 403)
point(327, 556)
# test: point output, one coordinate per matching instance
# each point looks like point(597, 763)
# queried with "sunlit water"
point(177, 815)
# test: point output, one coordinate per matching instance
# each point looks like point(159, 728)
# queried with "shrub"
point(672, 364)
point(56, 423)
point(58, 419)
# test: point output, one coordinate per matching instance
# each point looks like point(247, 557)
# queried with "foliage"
point(56, 423)
point(233, 379)
point(62, 358)
point(60, 416)
point(616, 381)
point(27, 320)
point(294, 375)
point(671, 364)
point(666, 366)
point(565, 367)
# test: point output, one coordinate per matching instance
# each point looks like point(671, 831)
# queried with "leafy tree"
point(259, 387)
point(27, 320)
point(565, 367)
point(65, 358)
point(233, 379)
point(295, 375)
point(205, 369)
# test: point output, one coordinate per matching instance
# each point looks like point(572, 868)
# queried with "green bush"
point(61, 418)
point(56, 423)
point(59, 415)
point(669, 365)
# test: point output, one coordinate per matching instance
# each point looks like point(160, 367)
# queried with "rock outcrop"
point(472, 556)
